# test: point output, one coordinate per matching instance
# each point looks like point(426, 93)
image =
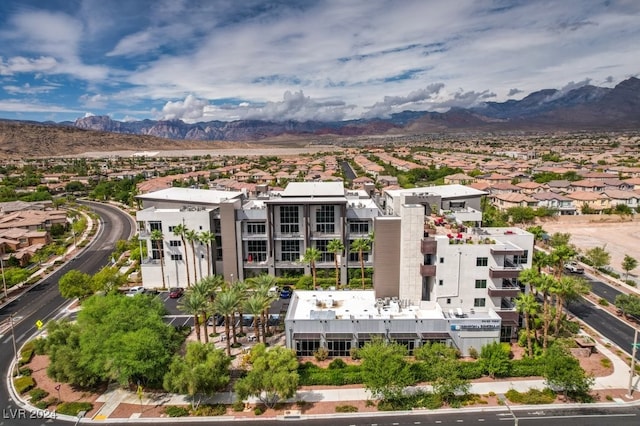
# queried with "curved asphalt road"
point(43, 301)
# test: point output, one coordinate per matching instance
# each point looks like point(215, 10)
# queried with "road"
point(43, 301)
point(609, 326)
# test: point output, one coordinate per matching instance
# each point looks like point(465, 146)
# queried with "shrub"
point(24, 384)
point(603, 302)
point(258, 411)
point(26, 353)
point(73, 408)
point(606, 362)
point(527, 367)
point(337, 364)
point(531, 397)
point(354, 353)
point(321, 354)
point(42, 405)
point(470, 370)
point(25, 371)
point(40, 346)
point(238, 406)
point(473, 353)
point(37, 394)
point(346, 409)
point(211, 410)
point(176, 411)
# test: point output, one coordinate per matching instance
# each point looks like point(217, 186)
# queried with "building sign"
point(479, 325)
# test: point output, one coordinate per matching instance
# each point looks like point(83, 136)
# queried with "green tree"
point(449, 384)
point(336, 247)
point(254, 305)
point(180, 231)
point(14, 276)
point(193, 304)
point(75, 284)
point(562, 372)
point(567, 289)
point(521, 214)
point(528, 306)
point(108, 279)
point(385, 371)
point(203, 371)
point(273, 375)
point(494, 358)
point(263, 285)
point(206, 288)
point(598, 256)
point(629, 304)
point(158, 240)
point(360, 246)
point(192, 236)
point(225, 304)
point(206, 238)
point(628, 263)
point(311, 256)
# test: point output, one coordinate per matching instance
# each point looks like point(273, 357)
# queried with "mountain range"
point(585, 108)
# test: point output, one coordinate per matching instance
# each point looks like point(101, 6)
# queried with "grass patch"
point(176, 411)
point(346, 409)
point(73, 408)
point(24, 384)
point(531, 397)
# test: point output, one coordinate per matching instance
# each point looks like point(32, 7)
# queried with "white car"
point(135, 290)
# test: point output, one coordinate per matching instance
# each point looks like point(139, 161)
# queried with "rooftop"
point(314, 189)
point(191, 195)
point(444, 191)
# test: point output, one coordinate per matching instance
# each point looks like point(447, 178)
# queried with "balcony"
point(253, 237)
point(428, 270)
point(508, 316)
point(428, 245)
point(504, 291)
point(507, 250)
point(504, 271)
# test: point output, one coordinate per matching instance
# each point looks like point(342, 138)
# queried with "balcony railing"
point(428, 270)
point(504, 291)
point(504, 271)
point(509, 316)
point(428, 246)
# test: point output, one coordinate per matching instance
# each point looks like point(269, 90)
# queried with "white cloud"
point(20, 64)
point(189, 110)
point(413, 100)
point(27, 89)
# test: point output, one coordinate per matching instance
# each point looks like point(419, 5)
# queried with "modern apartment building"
point(452, 286)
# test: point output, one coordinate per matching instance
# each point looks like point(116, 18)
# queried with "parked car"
point(176, 292)
point(135, 290)
point(574, 268)
point(216, 320)
point(151, 291)
point(286, 292)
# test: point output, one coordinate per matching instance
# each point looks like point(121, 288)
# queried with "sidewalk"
point(619, 379)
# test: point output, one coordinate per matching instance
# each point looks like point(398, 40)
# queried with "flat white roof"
point(356, 304)
point(444, 191)
point(203, 196)
point(314, 189)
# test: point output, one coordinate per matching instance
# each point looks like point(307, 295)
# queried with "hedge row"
point(73, 408)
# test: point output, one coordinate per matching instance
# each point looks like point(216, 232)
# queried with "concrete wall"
point(386, 247)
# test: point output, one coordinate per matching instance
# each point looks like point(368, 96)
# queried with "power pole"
point(633, 363)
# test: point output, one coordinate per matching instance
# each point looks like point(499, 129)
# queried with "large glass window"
point(306, 347)
point(256, 251)
point(482, 261)
point(325, 256)
point(521, 259)
point(155, 226)
point(338, 347)
point(358, 227)
point(289, 220)
point(325, 219)
point(290, 250)
point(256, 228)
point(175, 243)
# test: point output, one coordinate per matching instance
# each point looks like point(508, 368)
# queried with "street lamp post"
point(13, 338)
point(4, 280)
point(633, 363)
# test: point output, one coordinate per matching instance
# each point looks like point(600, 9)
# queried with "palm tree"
point(545, 284)
point(262, 285)
point(311, 256)
point(193, 304)
point(206, 238)
point(225, 304)
point(206, 288)
point(240, 288)
point(541, 260)
point(192, 237)
point(254, 305)
point(566, 290)
point(560, 255)
point(180, 230)
point(158, 241)
point(336, 247)
point(360, 246)
point(527, 305)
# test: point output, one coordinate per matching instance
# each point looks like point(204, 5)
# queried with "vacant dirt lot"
point(619, 235)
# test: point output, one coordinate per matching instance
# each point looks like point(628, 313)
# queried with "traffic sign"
point(39, 324)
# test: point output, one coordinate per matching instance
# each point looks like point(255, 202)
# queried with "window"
point(440, 282)
point(355, 256)
point(176, 257)
point(448, 301)
point(339, 347)
point(482, 261)
point(155, 226)
point(289, 220)
point(442, 260)
point(290, 250)
point(175, 243)
point(256, 228)
point(481, 283)
point(306, 347)
point(479, 302)
point(325, 256)
point(519, 260)
point(325, 219)
point(218, 247)
point(358, 227)
point(171, 228)
point(256, 251)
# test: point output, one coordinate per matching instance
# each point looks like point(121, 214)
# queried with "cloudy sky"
point(201, 60)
